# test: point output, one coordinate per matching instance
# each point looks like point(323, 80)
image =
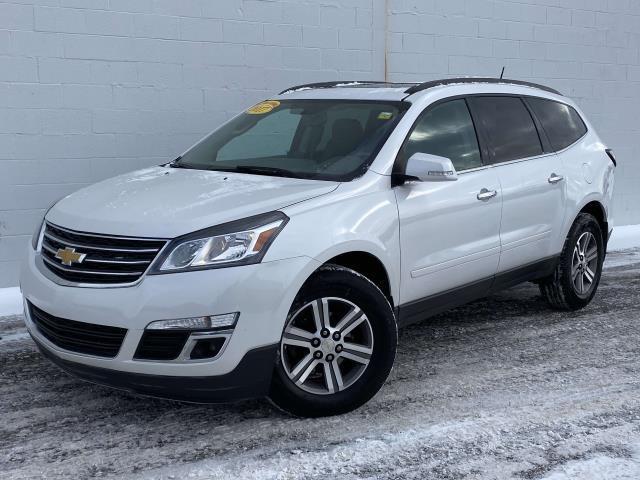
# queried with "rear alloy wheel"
point(584, 264)
point(576, 278)
point(337, 347)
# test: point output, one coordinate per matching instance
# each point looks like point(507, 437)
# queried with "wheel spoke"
point(356, 358)
point(307, 360)
point(354, 347)
point(295, 332)
point(321, 313)
point(353, 324)
point(581, 244)
point(349, 317)
point(580, 283)
point(588, 273)
point(337, 374)
point(295, 342)
point(592, 254)
point(328, 378)
point(307, 372)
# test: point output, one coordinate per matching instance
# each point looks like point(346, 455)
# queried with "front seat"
point(346, 136)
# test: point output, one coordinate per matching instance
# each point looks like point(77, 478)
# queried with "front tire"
point(338, 345)
point(576, 278)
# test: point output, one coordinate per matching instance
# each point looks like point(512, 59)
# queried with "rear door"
point(531, 178)
point(449, 231)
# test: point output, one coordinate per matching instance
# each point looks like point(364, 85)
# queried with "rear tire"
point(338, 345)
point(575, 280)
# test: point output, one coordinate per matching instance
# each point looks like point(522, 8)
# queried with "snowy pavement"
point(502, 388)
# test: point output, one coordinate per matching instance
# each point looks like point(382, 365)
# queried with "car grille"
point(107, 259)
point(80, 337)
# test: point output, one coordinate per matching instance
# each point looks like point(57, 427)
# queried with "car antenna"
point(502, 74)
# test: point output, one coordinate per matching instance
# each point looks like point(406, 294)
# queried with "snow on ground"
point(600, 467)
point(503, 388)
point(624, 237)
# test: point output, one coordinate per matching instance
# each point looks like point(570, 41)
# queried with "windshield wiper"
point(262, 170)
point(175, 163)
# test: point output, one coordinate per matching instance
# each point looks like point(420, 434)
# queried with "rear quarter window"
point(561, 123)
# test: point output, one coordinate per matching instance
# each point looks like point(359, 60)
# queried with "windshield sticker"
point(385, 115)
point(263, 107)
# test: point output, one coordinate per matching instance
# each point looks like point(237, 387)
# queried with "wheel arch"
point(367, 265)
point(367, 260)
point(596, 209)
point(592, 205)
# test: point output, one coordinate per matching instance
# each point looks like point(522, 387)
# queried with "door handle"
point(487, 194)
point(553, 179)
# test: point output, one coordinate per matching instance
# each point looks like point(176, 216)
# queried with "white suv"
point(278, 256)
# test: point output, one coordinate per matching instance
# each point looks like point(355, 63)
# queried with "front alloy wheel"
point(326, 345)
point(337, 346)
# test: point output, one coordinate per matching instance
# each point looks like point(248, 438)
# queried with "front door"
point(449, 231)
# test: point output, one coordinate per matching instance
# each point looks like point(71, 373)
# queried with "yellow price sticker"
point(263, 107)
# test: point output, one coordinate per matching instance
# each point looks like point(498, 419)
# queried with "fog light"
point(207, 348)
point(213, 322)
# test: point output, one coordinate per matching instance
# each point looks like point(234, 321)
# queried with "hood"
point(167, 202)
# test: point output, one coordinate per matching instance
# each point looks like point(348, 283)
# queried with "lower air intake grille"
point(94, 258)
point(79, 337)
point(161, 344)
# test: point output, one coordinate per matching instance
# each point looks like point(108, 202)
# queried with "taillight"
point(611, 156)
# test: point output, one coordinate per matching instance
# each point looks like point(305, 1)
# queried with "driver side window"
point(446, 130)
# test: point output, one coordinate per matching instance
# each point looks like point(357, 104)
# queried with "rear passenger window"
point(509, 126)
point(445, 130)
point(561, 123)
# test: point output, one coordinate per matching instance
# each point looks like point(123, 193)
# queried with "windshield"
point(317, 139)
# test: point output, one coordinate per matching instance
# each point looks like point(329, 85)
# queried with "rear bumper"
point(251, 378)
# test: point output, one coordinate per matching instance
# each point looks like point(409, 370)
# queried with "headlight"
point(241, 242)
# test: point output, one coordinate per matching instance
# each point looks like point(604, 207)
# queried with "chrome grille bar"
point(95, 258)
point(88, 272)
point(92, 247)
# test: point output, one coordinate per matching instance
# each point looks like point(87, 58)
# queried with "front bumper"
point(262, 293)
point(250, 379)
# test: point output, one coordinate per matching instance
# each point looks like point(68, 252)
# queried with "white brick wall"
point(589, 50)
point(92, 88)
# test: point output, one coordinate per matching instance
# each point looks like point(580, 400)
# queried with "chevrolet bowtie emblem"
point(69, 256)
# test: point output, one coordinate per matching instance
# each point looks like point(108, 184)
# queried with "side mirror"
point(430, 168)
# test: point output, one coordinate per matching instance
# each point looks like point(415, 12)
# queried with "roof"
point(376, 90)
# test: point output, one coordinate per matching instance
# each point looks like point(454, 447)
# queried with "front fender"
point(364, 220)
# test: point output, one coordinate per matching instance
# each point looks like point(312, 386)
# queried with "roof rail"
point(331, 85)
point(451, 81)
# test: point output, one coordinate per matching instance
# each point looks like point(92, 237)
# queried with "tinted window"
point(446, 130)
point(509, 126)
point(561, 123)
